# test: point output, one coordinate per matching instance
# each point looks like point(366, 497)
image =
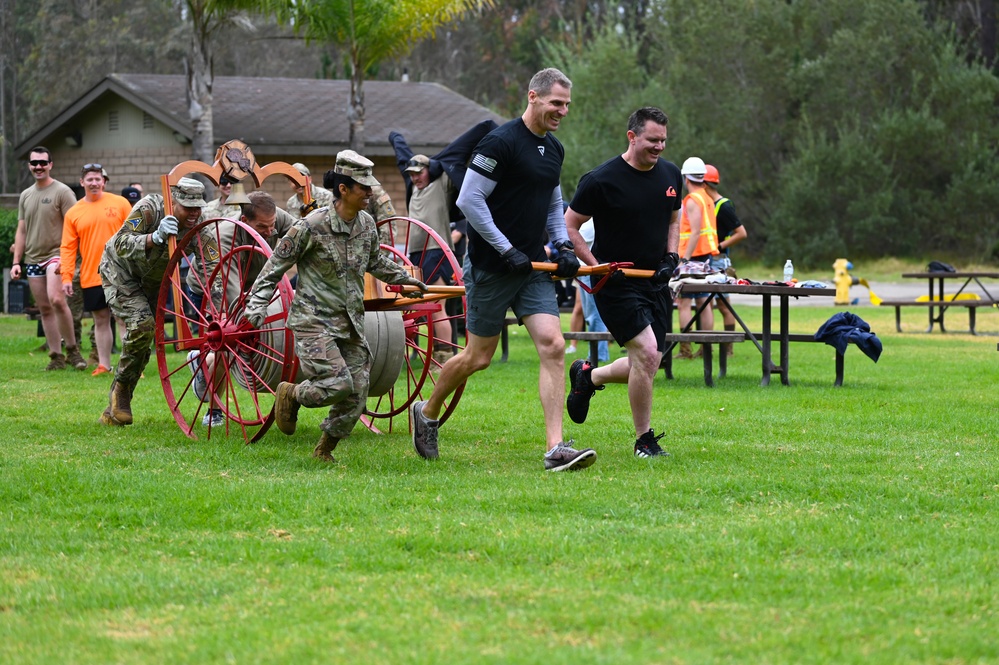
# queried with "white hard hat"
point(694, 169)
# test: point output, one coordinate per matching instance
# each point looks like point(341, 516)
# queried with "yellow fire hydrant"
point(843, 280)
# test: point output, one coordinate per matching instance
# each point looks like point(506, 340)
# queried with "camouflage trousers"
point(337, 375)
point(75, 303)
point(134, 306)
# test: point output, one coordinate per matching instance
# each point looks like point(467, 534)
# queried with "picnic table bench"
point(937, 303)
point(971, 305)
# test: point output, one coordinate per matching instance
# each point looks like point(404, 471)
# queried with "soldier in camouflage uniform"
point(322, 197)
point(132, 268)
point(333, 248)
point(381, 208)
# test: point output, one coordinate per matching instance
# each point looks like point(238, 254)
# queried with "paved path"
point(884, 290)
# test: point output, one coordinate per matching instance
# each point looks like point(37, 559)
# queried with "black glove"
point(517, 262)
point(568, 264)
point(666, 267)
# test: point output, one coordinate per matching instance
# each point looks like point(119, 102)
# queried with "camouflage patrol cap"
point(417, 163)
point(355, 167)
point(189, 193)
point(301, 168)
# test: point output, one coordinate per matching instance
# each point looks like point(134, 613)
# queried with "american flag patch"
point(484, 163)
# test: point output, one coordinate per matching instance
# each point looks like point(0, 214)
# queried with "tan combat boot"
point(56, 361)
point(119, 411)
point(286, 407)
point(75, 358)
point(684, 353)
point(93, 358)
point(324, 449)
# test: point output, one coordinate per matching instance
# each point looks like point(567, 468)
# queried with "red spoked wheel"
point(241, 366)
point(403, 337)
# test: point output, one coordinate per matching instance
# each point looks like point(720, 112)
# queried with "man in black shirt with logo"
point(634, 201)
point(512, 197)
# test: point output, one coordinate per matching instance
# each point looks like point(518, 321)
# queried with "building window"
point(113, 125)
point(147, 121)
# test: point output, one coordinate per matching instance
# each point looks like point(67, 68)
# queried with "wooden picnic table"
point(939, 302)
point(764, 339)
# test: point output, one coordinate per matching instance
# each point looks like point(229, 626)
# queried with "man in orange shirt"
point(698, 241)
point(88, 226)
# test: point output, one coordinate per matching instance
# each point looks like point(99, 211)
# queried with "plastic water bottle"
point(788, 271)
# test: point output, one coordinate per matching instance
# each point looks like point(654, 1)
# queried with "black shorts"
point(627, 309)
point(433, 266)
point(93, 299)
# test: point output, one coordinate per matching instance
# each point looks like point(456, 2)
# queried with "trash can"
point(17, 296)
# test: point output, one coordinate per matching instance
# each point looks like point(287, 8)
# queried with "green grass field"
point(801, 524)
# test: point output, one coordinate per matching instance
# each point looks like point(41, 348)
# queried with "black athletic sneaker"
point(424, 432)
point(581, 389)
point(564, 457)
point(647, 445)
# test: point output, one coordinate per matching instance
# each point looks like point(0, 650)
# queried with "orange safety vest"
point(707, 240)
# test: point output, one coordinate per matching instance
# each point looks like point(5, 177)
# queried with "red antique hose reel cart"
point(244, 365)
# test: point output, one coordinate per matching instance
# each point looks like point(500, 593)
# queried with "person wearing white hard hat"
point(698, 242)
point(730, 232)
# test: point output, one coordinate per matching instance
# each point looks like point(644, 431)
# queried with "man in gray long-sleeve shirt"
point(512, 197)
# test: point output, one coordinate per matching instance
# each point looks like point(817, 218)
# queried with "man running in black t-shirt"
point(634, 200)
point(511, 197)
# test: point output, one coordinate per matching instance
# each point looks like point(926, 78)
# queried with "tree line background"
point(859, 128)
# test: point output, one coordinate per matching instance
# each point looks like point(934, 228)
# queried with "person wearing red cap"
point(730, 232)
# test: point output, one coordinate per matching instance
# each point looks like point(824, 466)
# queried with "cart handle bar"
point(605, 269)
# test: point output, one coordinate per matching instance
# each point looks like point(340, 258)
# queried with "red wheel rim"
point(247, 363)
point(417, 380)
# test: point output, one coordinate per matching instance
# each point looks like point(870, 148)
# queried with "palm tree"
point(371, 31)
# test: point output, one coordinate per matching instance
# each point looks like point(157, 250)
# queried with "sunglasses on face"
point(40, 162)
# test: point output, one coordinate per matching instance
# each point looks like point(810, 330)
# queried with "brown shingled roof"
point(293, 116)
point(278, 115)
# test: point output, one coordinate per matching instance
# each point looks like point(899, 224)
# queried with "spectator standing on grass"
point(41, 210)
point(132, 268)
point(430, 205)
point(89, 224)
point(730, 232)
point(633, 200)
point(432, 185)
point(333, 248)
point(131, 194)
point(511, 197)
point(698, 242)
point(591, 316)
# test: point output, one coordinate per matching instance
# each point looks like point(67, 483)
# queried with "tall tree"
point(207, 20)
point(372, 31)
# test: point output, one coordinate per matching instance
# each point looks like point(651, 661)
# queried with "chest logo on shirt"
point(541, 149)
point(670, 192)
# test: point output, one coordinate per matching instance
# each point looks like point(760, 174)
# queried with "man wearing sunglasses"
point(220, 207)
point(40, 213)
